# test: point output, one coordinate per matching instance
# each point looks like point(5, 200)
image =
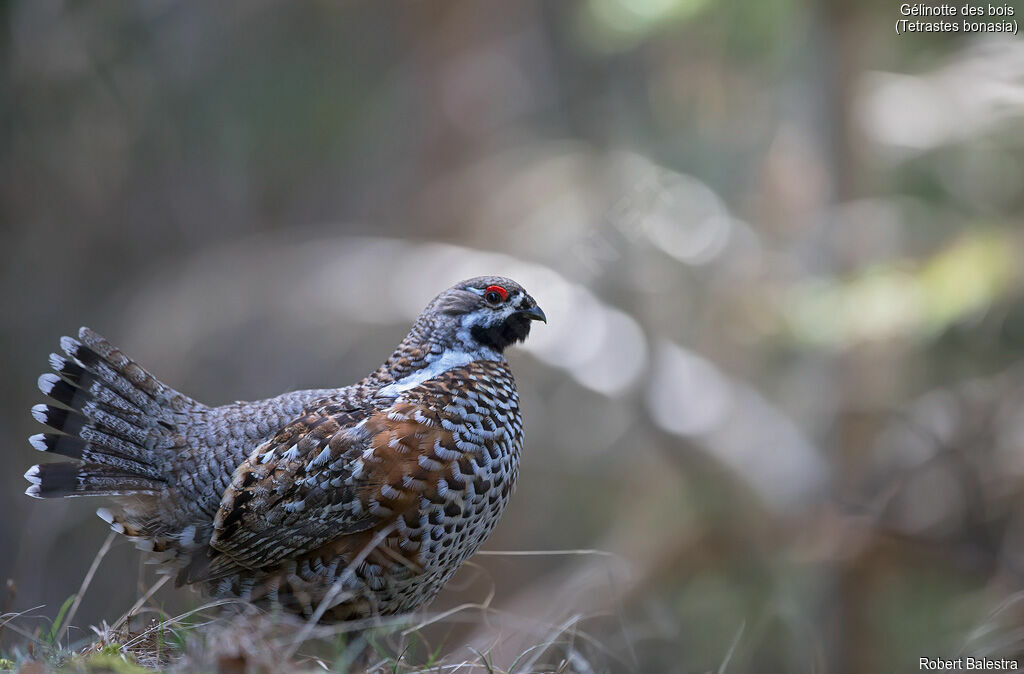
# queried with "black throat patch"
point(513, 329)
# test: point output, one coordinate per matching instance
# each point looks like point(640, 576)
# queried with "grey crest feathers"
point(386, 485)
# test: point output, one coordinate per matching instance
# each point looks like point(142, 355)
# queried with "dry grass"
point(232, 636)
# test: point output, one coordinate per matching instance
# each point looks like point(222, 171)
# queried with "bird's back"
point(213, 442)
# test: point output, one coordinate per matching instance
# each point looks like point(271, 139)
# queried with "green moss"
point(109, 660)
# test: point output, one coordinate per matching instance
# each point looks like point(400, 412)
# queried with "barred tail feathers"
point(113, 418)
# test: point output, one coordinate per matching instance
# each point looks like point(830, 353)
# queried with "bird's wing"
point(328, 475)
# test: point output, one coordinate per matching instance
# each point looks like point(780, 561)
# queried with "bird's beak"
point(534, 313)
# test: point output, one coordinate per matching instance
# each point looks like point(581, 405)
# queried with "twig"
point(544, 553)
point(336, 588)
point(86, 581)
point(27, 635)
point(732, 648)
point(8, 617)
point(176, 619)
point(540, 649)
point(444, 614)
point(156, 586)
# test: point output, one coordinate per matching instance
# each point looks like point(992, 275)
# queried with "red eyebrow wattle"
point(498, 289)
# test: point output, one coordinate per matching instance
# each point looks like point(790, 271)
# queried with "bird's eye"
point(495, 294)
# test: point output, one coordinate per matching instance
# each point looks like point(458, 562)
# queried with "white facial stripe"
point(447, 361)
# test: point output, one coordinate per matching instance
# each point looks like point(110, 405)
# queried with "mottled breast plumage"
point(434, 466)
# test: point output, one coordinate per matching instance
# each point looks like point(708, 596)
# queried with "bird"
point(333, 504)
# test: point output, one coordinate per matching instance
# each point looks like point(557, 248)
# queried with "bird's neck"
point(419, 357)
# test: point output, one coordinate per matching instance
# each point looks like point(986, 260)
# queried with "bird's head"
point(487, 313)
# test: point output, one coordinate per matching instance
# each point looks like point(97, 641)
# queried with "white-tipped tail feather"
point(108, 414)
point(47, 382)
point(68, 345)
point(32, 475)
point(39, 413)
point(56, 362)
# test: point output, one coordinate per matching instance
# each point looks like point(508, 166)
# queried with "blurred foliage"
point(904, 298)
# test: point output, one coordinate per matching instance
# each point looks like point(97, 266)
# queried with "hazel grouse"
point(339, 503)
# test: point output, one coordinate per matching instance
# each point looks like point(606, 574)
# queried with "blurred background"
point(780, 396)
